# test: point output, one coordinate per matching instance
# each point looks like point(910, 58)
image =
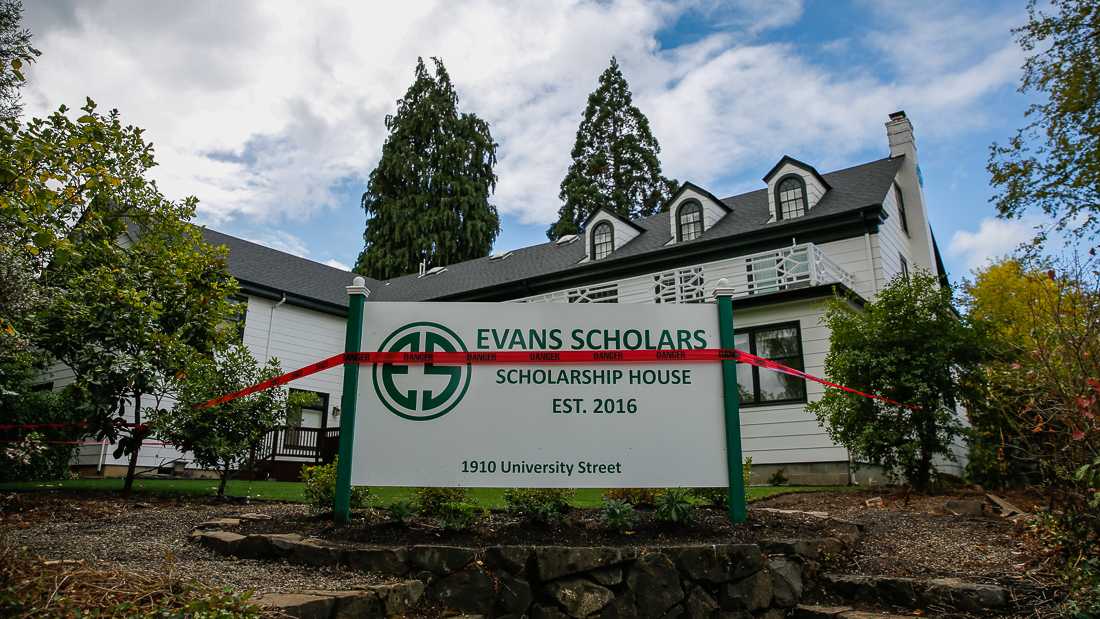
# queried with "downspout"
point(102, 456)
point(270, 321)
point(871, 261)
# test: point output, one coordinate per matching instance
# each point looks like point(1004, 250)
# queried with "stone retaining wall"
point(736, 580)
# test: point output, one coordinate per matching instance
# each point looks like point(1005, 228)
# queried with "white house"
point(785, 248)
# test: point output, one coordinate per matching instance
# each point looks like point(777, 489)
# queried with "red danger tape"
point(542, 357)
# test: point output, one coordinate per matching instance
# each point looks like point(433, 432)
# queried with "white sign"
point(554, 425)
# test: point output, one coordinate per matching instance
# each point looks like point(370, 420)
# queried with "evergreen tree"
point(428, 199)
point(615, 162)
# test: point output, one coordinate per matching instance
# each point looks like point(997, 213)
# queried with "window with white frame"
point(689, 221)
point(681, 286)
point(603, 240)
point(790, 197)
point(601, 293)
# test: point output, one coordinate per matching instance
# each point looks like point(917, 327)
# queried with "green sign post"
point(353, 339)
point(738, 510)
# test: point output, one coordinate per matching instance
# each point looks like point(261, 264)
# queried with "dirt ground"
point(904, 538)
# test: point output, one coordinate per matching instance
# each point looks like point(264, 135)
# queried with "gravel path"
point(151, 534)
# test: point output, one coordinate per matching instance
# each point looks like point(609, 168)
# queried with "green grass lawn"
point(293, 491)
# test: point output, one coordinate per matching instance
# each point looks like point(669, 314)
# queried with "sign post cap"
point(358, 286)
point(722, 288)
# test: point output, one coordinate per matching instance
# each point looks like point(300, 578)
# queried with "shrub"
point(618, 515)
point(431, 501)
point(778, 478)
point(719, 496)
point(674, 506)
point(640, 497)
point(459, 515)
point(538, 505)
point(320, 487)
point(402, 511)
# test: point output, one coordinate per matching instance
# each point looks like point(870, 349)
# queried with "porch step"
point(917, 593)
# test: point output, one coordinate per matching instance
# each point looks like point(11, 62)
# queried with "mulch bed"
point(581, 527)
point(901, 537)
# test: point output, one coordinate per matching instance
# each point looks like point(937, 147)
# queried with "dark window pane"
point(775, 343)
point(776, 386)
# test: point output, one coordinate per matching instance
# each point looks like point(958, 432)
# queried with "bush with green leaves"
point(402, 511)
point(674, 506)
point(320, 487)
point(638, 497)
point(778, 478)
point(718, 497)
point(432, 501)
point(459, 515)
point(618, 516)
point(538, 505)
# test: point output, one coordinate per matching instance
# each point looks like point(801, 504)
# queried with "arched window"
point(901, 209)
point(790, 197)
point(689, 221)
point(603, 240)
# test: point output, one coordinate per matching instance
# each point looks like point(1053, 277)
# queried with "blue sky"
point(272, 113)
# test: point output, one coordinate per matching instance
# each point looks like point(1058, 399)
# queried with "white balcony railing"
point(797, 266)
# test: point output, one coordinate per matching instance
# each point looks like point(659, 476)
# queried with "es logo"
point(421, 391)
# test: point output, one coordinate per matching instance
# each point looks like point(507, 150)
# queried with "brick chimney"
point(899, 132)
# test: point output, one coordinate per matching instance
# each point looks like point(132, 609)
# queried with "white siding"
point(298, 337)
point(891, 243)
point(786, 433)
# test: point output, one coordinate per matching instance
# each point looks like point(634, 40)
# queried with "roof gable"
point(800, 164)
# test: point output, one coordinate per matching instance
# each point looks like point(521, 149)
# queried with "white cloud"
point(262, 109)
point(995, 238)
point(336, 264)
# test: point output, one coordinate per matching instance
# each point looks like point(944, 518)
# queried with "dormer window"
point(790, 196)
point(603, 240)
point(689, 221)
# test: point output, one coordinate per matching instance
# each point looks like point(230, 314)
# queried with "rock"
point(557, 561)
point(310, 553)
point(399, 598)
point(298, 605)
point(717, 563)
point(751, 593)
point(966, 596)
point(608, 576)
point(386, 561)
point(580, 597)
point(511, 559)
point(471, 590)
point(514, 595)
point(874, 502)
point(354, 604)
point(253, 516)
point(439, 560)
point(268, 546)
point(547, 612)
point(222, 542)
point(622, 607)
point(805, 611)
point(815, 549)
point(655, 584)
point(218, 523)
point(964, 507)
point(786, 577)
point(699, 603)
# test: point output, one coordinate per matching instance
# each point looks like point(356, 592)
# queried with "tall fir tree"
point(428, 199)
point(615, 162)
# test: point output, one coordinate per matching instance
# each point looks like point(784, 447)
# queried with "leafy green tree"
point(16, 52)
point(221, 437)
point(908, 345)
point(1053, 162)
point(428, 199)
point(127, 288)
point(615, 164)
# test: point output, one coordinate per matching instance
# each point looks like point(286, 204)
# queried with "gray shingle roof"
point(252, 263)
point(852, 189)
